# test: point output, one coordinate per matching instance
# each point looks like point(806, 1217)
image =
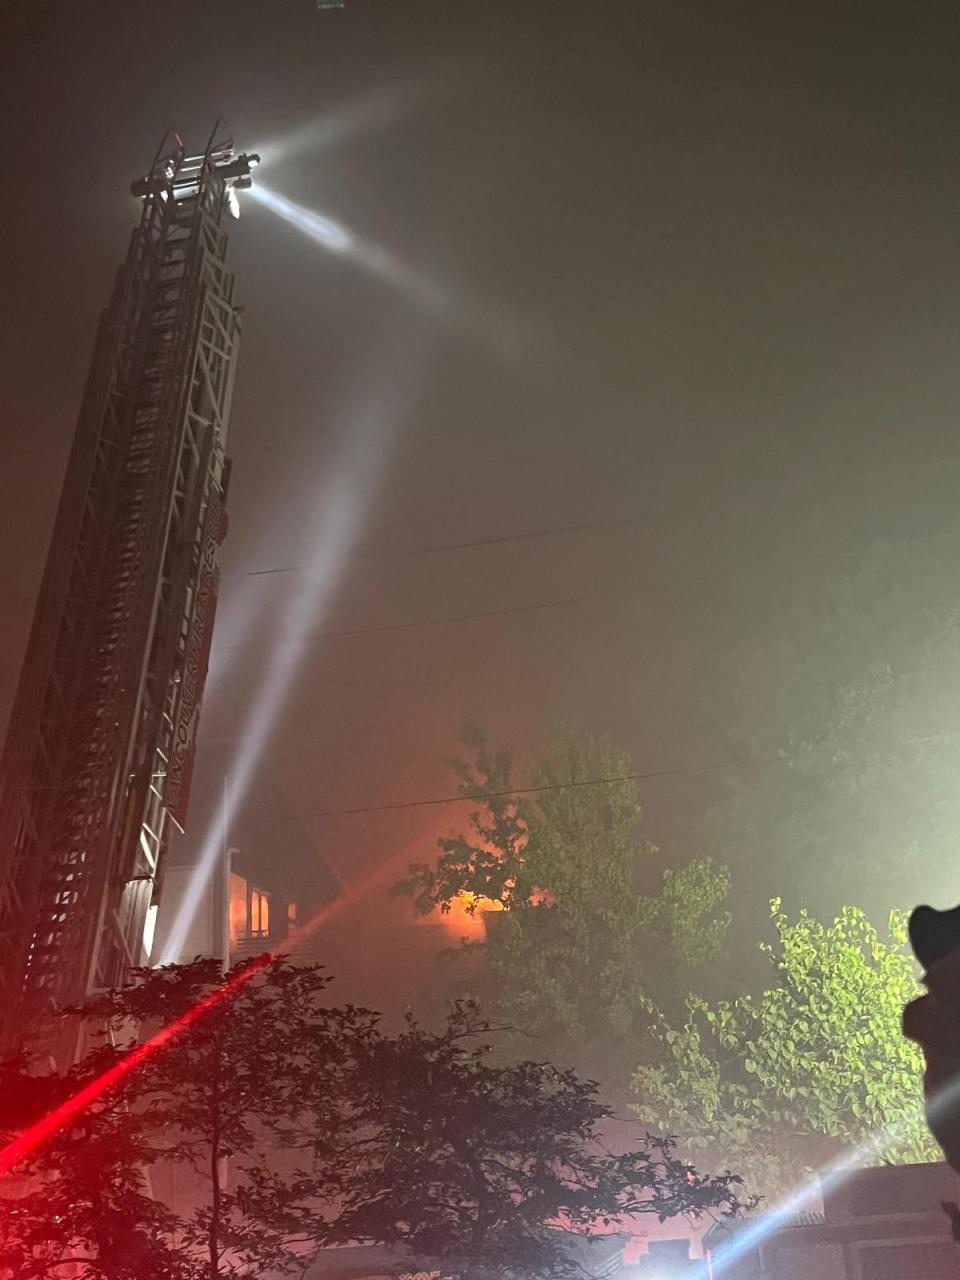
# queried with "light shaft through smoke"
point(342, 505)
point(830, 1176)
point(371, 258)
point(368, 113)
point(492, 329)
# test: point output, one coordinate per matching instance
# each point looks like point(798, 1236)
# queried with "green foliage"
point(783, 1081)
point(476, 1166)
point(579, 948)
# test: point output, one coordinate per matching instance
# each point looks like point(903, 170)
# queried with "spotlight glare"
point(322, 229)
point(370, 112)
point(832, 1175)
point(150, 928)
point(342, 506)
point(494, 329)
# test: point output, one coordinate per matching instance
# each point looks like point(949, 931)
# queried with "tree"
point(80, 1205)
point(477, 1168)
point(262, 1072)
point(578, 948)
point(335, 1131)
point(784, 1081)
point(256, 1082)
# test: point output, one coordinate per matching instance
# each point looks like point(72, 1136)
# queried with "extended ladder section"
point(99, 750)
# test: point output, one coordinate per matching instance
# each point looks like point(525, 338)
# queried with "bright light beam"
point(832, 1175)
point(377, 109)
point(342, 505)
point(495, 331)
point(331, 235)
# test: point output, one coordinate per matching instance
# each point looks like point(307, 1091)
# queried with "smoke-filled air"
point(480, 642)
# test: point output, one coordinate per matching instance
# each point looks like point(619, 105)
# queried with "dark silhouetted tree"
point(478, 1168)
point(333, 1130)
point(253, 1086)
point(80, 1205)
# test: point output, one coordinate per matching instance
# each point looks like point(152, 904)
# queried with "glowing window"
point(293, 915)
point(259, 913)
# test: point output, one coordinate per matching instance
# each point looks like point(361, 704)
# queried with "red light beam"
point(34, 1136)
point(31, 1138)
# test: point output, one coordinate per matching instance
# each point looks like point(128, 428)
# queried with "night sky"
point(700, 287)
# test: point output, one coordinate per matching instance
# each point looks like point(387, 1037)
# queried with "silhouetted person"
point(933, 1021)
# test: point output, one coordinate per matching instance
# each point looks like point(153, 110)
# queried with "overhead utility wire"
point(424, 622)
point(570, 602)
point(550, 532)
point(494, 795)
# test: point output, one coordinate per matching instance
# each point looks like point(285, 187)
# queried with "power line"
point(532, 534)
point(569, 602)
point(492, 795)
point(427, 622)
point(552, 531)
point(515, 609)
